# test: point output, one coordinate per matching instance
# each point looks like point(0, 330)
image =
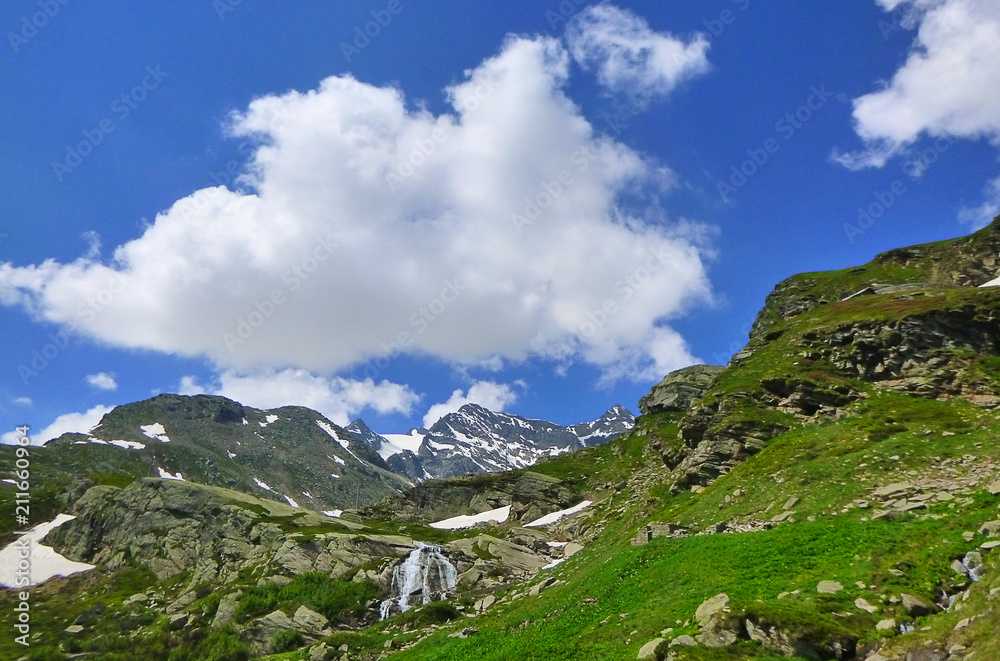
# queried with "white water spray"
point(425, 574)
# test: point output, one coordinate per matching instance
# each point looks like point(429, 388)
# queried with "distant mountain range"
point(296, 455)
point(477, 440)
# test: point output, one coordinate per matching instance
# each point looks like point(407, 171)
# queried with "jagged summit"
point(477, 440)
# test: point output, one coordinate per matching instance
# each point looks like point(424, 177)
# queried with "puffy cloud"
point(102, 381)
point(365, 227)
point(488, 394)
point(337, 398)
point(980, 216)
point(948, 86)
point(631, 58)
point(80, 423)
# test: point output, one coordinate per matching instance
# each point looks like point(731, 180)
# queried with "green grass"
point(333, 598)
point(827, 465)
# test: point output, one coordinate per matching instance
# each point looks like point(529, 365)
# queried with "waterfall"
point(973, 563)
point(425, 573)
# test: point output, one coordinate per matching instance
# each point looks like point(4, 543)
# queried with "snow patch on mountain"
point(45, 561)
point(156, 432)
point(396, 443)
point(498, 515)
point(344, 443)
point(167, 475)
point(549, 519)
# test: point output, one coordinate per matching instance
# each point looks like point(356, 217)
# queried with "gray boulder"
point(679, 389)
point(310, 622)
point(915, 606)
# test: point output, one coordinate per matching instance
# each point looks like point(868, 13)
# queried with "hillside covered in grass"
point(833, 493)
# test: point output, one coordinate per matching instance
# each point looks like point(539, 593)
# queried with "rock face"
point(172, 526)
point(680, 389)
point(715, 441)
point(926, 354)
point(718, 627)
point(530, 495)
point(924, 334)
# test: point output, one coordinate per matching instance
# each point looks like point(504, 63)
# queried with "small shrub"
point(287, 640)
point(224, 645)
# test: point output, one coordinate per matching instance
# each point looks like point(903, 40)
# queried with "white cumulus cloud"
point(80, 423)
point(102, 381)
point(629, 57)
point(339, 399)
point(949, 84)
point(977, 217)
point(366, 226)
point(488, 394)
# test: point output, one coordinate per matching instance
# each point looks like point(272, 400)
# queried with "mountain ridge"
point(477, 440)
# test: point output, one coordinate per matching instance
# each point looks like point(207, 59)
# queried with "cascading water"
point(426, 573)
point(973, 563)
point(974, 569)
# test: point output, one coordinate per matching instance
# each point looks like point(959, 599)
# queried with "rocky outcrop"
point(967, 261)
point(928, 354)
point(171, 527)
point(716, 439)
point(934, 353)
point(783, 634)
point(680, 389)
point(530, 495)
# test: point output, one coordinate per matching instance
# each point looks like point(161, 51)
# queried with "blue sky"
point(386, 209)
